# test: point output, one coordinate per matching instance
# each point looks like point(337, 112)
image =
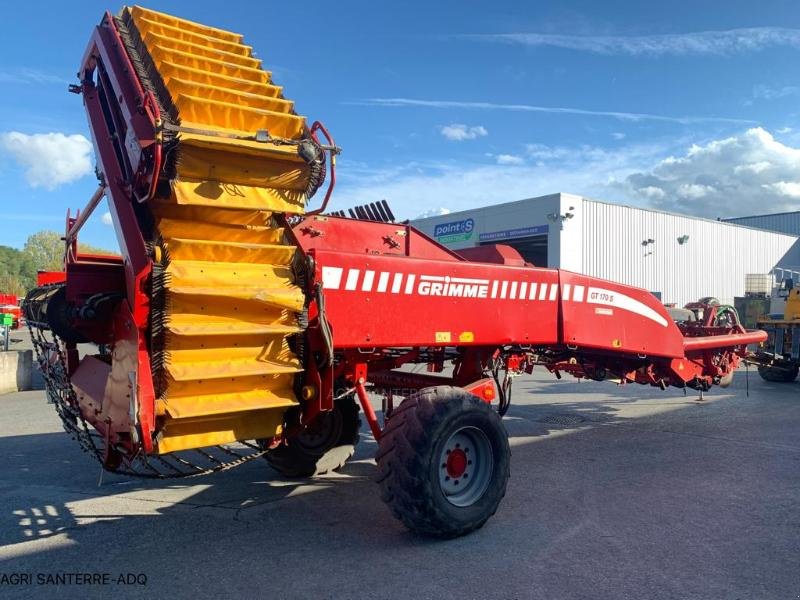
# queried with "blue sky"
point(684, 106)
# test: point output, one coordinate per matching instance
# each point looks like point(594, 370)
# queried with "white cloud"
point(49, 159)
point(721, 42)
point(747, 173)
point(651, 192)
point(457, 132)
point(618, 135)
point(106, 219)
point(784, 188)
point(509, 159)
point(766, 92)
point(27, 75)
point(695, 190)
point(433, 212)
point(561, 110)
point(414, 187)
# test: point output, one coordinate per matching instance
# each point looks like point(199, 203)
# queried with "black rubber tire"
point(409, 455)
point(294, 458)
point(779, 375)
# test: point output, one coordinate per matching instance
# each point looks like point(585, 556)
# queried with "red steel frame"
point(382, 295)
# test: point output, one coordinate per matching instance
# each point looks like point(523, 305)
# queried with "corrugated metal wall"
point(782, 222)
point(713, 262)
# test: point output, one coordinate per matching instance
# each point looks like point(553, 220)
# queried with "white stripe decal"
point(410, 283)
point(543, 291)
point(369, 278)
point(577, 293)
point(331, 277)
point(513, 293)
point(532, 295)
point(553, 291)
point(397, 282)
point(383, 281)
point(503, 289)
point(621, 301)
point(565, 292)
point(352, 280)
point(523, 289)
point(494, 289)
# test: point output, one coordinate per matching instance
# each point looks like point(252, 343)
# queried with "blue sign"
point(513, 233)
point(455, 231)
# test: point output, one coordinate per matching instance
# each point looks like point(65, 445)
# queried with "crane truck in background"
point(238, 323)
point(778, 358)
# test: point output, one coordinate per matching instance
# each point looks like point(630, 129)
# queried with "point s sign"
point(455, 231)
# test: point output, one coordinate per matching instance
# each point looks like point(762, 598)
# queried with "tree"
point(46, 250)
point(43, 251)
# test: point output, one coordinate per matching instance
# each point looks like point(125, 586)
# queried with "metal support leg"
point(372, 418)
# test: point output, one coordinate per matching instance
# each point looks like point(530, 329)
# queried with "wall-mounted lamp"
point(683, 239)
point(554, 217)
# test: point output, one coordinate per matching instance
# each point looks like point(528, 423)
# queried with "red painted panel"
point(602, 314)
point(395, 301)
point(367, 237)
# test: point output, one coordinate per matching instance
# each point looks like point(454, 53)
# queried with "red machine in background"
point(9, 305)
point(225, 334)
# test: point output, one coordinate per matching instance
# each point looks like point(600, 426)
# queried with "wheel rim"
point(321, 435)
point(465, 466)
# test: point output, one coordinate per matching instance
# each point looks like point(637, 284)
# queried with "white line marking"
point(543, 291)
point(623, 302)
point(504, 289)
point(513, 293)
point(553, 291)
point(565, 292)
point(494, 289)
point(523, 289)
point(410, 283)
point(352, 280)
point(397, 282)
point(369, 278)
point(331, 277)
point(532, 294)
point(383, 281)
point(577, 293)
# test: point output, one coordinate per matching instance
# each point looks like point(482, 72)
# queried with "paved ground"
point(615, 493)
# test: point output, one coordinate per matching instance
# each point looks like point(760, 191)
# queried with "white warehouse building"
point(677, 257)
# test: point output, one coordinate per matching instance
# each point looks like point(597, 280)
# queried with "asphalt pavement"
point(615, 492)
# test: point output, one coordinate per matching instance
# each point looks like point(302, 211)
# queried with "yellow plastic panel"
point(201, 371)
point(186, 25)
point(289, 298)
point(230, 252)
point(170, 71)
point(182, 434)
point(198, 406)
point(252, 234)
point(185, 87)
point(214, 178)
point(191, 310)
point(152, 38)
point(210, 328)
point(222, 115)
point(203, 63)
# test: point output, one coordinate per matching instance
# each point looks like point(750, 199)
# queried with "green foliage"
point(17, 271)
point(46, 250)
point(43, 251)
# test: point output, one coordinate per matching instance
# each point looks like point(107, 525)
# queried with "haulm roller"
point(237, 324)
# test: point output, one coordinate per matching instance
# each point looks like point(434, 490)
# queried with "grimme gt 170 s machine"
point(238, 324)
